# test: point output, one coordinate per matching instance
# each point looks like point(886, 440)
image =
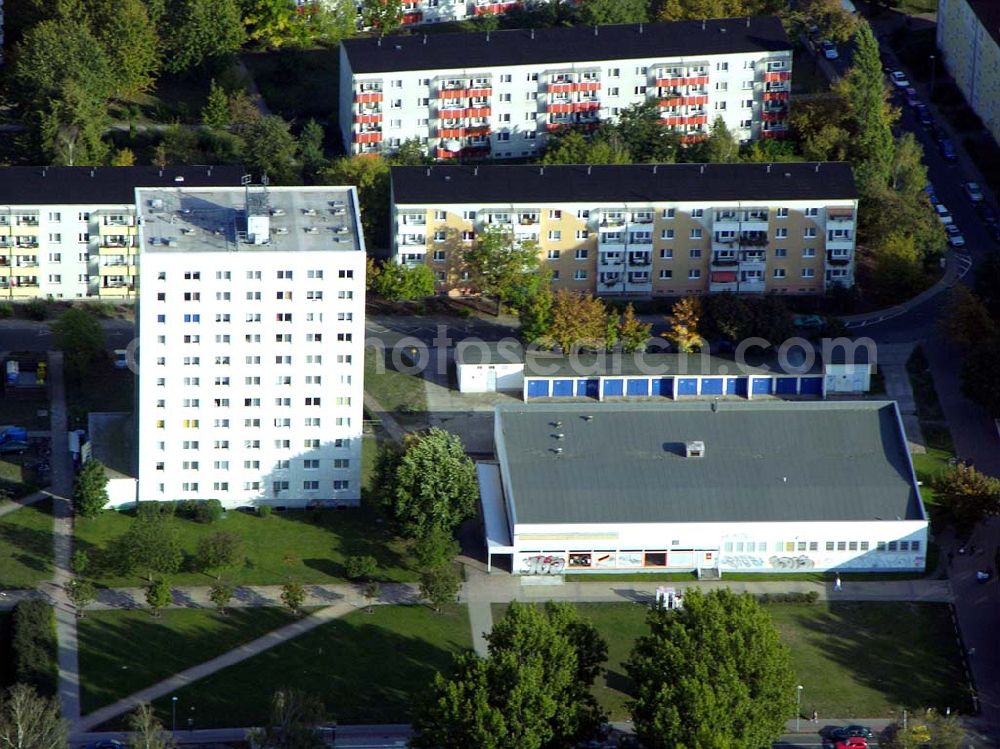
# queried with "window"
point(811, 212)
point(666, 254)
point(697, 212)
point(223, 275)
point(696, 234)
point(553, 254)
point(318, 295)
point(310, 464)
point(192, 275)
point(555, 236)
point(724, 66)
point(694, 254)
point(222, 296)
point(344, 274)
point(808, 272)
point(310, 444)
point(666, 275)
point(694, 274)
point(810, 233)
point(582, 254)
point(580, 275)
point(667, 234)
point(314, 274)
point(781, 212)
point(668, 213)
point(780, 252)
point(582, 234)
point(779, 272)
point(639, 90)
point(809, 252)
point(339, 486)
point(505, 78)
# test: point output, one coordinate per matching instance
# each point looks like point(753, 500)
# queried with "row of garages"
point(745, 386)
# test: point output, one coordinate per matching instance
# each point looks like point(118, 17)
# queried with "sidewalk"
point(16, 504)
point(892, 360)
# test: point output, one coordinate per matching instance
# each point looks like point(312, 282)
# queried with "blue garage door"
point(761, 385)
point(613, 388)
point(687, 386)
point(562, 388)
point(664, 386)
point(712, 385)
point(736, 386)
point(787, 385)
point(811, 386)
point(538, 388)
point(638, 387)
point(587, 388)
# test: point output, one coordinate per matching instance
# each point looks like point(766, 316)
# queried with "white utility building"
point(252, 330)
point(710, 487)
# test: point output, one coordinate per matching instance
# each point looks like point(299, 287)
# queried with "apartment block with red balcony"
point(500, 93)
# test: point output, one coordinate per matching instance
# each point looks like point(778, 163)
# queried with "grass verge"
point(854, 660)
point(122, 652)
point(367, 668)
point(402, 395)
point(26, 546)
point(309, 546)
point(929, 411)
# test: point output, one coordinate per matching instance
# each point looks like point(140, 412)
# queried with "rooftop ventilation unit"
point(694, 449)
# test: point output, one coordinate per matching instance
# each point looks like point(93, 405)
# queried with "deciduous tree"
point(724, 316)
point(398, 282)
point(632, 332)
point(159, 595)
point(270, 149)
point(531, 691)
point(218, 551)
point(293, 595)
point(81, 593)
point(721, 146)
point(269, 22)
point(966, 320)
point(578, 321)
point(385, 16)
point(29, 721)
point(644, 136)
point(684, 318)
point(970, 496)
point(295, 722)
point(90, 489)
point(599, 12)
point(199, 32)
point(310, 148)
point(130, 41)
point(930, 729)
point(146, 731)
point(370, 174)
point(78, 334)
point(220, 594)
point(361, 567)
point(436, 549)
point(499, 263)
point(434, 485)
point(440, 585)
point(150, 544)
point(898, 265)
point(711, 674)
point(835, 22)
point(535, 309)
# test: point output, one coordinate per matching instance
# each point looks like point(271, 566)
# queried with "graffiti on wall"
point(544, 564)
point(801, 562)
point(741, 561)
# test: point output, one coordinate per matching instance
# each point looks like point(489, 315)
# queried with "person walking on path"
point(836, 583)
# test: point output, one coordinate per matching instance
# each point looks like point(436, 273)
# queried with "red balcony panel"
point(450, 132)
point(673, 101)
point(586, 106)
point(478, 130)
point(480, 92)
point(776, 96)
point(368, 137)
point(775, 77)
point(413, 16)
point(778, 116)
point(442, 153)
point(453, 93)
point(369, 97)
point(695, 101)
point(560, 88)
point(699, 80)
point(775, 134)
point(551, 126)
point(700, 119)
point(560, 108)
point(473, 112)
point(451, 114)
point(493, 8)
point(367, 119)
point(688, 140)
point(587, 86)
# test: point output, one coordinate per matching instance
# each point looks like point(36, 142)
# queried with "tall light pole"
point(173, 715)
point(798, 706)
point(933, 66)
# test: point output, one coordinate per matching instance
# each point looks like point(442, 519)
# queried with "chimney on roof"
point(475, 171)
point(589, 167)
point(702, 169)
point(817, 167)
point(595, 31)
point(91, 172)
point(702, 24)
point(425, 38)
point(428, 171)
point(380, 41)
point(487, 36)
point(654, 168)
point(695, 449)
point(768, 168)
point(210, 170)
point(748, 22)
point(541, 171)
point(640, 27)
point(532, 33)
point(44, 170)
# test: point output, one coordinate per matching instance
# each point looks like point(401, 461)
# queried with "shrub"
point(34, 646)
point(265, 511)
point(796, 597)
point(6, 309)
point(37, 309)
point(209, 511)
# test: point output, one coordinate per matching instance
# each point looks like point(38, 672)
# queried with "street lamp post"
point(798, 706)
point(933, 70)
point(173, 715)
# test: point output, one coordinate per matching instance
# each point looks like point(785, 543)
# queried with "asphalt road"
point(25, 335)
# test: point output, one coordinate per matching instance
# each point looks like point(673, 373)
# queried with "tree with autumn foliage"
point(633, 334)
point(577, 321)
point(683, 319)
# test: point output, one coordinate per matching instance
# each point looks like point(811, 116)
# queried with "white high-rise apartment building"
point(252, 331)
point(499, 93)
point(69, 232)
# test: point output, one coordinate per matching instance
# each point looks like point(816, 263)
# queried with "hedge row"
point(34, 646)
point(811, 597)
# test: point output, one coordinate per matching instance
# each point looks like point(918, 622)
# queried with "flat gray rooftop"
point(179, 219)
point(763, 462)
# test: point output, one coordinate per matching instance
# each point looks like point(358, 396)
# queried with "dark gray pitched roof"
point(55, 185)
point(504, 184)
point(565, 45)
point(763, 462)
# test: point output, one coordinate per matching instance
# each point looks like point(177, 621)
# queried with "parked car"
point(984, 576)
point(851, 731)
point(938, 132)
point(955, 238)
point(107, 744)
point(986, 213)
point(121, 358)
point(973, 191)
point(14, 447)
point(912, 99)
point(854, 742)
point(829, 50)
point(924, 115)
point(995, 233)
point(948, 149)
point(943, 214)
point(809, 321)
point(899, 79)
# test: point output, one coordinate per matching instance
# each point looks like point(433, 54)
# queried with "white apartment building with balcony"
point(70, 232)
point(252, 330)
point(641, 229)
point(499, 93)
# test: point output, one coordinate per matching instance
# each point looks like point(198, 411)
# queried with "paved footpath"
point(12, 505)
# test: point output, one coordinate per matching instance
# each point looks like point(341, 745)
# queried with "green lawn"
point(15, 479)
point(26, 546)
point(305, 545)
point(927, 466)
point(299, 84)
point(912, 7)
point(122, 652)
point(368, 668)
point(853, 659)
point(402, 395)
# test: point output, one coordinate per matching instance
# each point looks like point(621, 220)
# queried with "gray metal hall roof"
point(763, 462)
